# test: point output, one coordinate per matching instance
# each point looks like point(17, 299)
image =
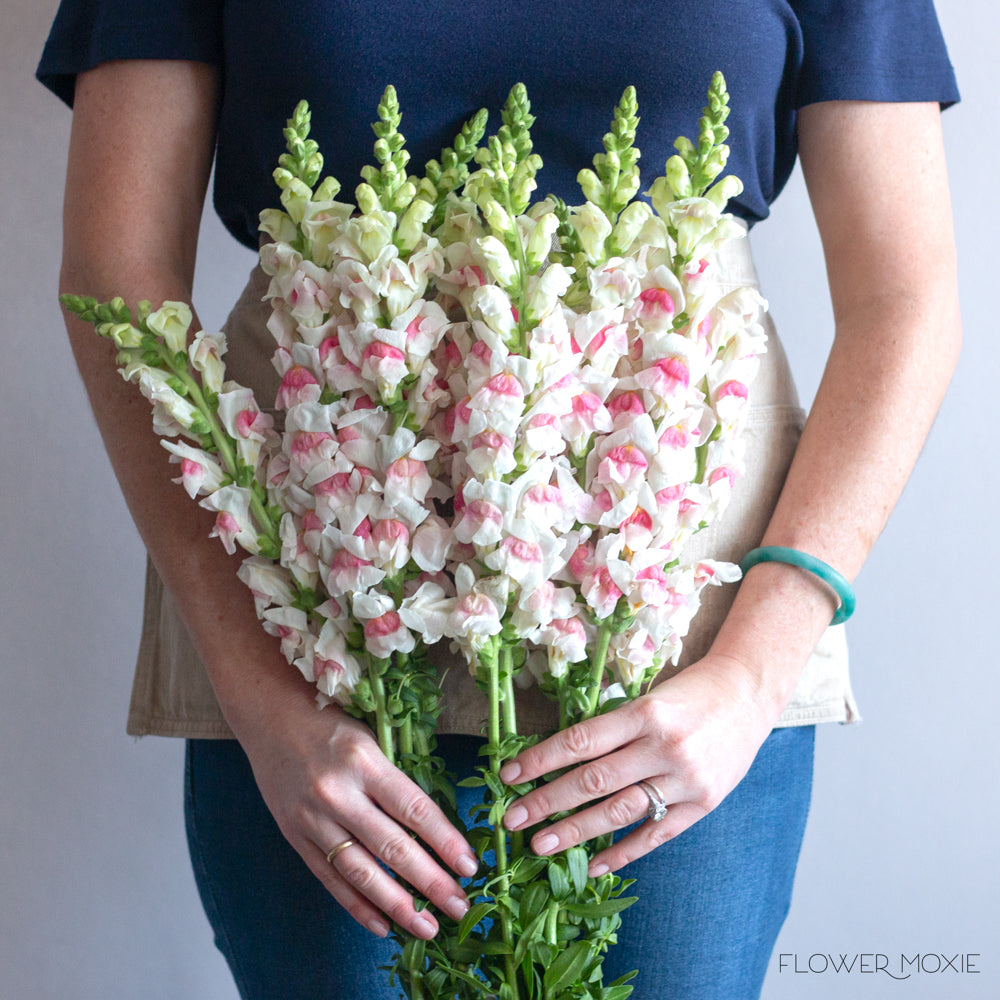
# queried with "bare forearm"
point(136, 180)
point(243, 662)
point(896, 345)
point(873, 410)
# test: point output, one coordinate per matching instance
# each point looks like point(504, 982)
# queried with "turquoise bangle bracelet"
point(818, 568)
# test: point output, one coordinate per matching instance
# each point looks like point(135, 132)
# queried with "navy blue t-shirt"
point(450, 57)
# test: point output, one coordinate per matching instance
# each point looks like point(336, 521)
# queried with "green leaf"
point(578, 859)
point(477, 984)
point(496, 786)
point(534, 899)
point(558, 879)
point(600, 908)
point(616, 992)
point(477, 912)
point(568, 966)
point(531, 934)
point(526, 869)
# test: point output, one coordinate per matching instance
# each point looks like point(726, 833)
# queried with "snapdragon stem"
point(510, 727)
point(522, 261)
point(597, 669)
point(417, 975)
point(406, 736)
point(383, 723)
point(499, 833)
point(552, 924)
point(564, 719)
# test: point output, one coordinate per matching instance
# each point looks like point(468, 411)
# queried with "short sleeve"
point(873, 50)
point(88, 32)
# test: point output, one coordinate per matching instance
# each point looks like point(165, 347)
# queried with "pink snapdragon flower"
point(527, 554)
point(565, 640)
point(390, 542)
point(477, 612)
point(200, 474)
point(298, 385)
point(600, 591)
point(232, 523)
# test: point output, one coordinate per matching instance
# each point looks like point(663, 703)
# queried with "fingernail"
point(545, 843)
point(596, 871)
point(515, 817)
point(510, 772)
point(457, 907)
point(378, 927)
point(467, 866)
point(424, 927)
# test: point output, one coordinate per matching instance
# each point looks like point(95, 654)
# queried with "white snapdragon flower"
point(270, 584)
point(205, 354)
point(172, 322)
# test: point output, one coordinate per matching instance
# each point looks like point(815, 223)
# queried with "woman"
point(154, 91)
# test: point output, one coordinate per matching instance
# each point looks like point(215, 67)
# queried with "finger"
point(360, 908)
point(402, 854)
point(645, 838)
point(355, 875)
point(583, 784)
point(406, 802)
point(620, 810)
point(582, 741)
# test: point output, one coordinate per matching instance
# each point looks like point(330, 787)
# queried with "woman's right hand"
point(141, 149)
point(325, 781)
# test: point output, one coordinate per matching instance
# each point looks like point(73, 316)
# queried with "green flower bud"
point(678, 177)
point(282, 177)
point(496, 217)
point(593, 228)
point(539, 244)
point(686, 149)
point(367, 199)
point(124, 335)
point(295, 197)
point(662, 195)
point(328, 190)
point(406, 193)
point(411, 226)
point(729, 187)
point(627, 188)
point(628, 227)
point(590, 184)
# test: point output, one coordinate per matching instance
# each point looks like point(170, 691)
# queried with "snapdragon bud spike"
point(706, 161)
point(452, 171)
point(303, 159)
point(614, 180)
point(389, 182)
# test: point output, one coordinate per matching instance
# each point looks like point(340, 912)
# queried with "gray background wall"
point(97, 900)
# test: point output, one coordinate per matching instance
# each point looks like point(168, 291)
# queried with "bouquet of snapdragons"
point(503, 421)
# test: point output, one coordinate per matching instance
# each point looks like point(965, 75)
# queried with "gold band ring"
point(335, 850)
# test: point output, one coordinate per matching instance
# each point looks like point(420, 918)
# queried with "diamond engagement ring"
point(657, 804)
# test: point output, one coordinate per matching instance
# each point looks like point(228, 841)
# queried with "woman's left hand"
point(693, 737)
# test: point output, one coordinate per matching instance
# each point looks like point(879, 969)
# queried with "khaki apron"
point(172, 696)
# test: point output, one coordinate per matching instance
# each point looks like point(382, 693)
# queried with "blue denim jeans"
point(711, 902)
